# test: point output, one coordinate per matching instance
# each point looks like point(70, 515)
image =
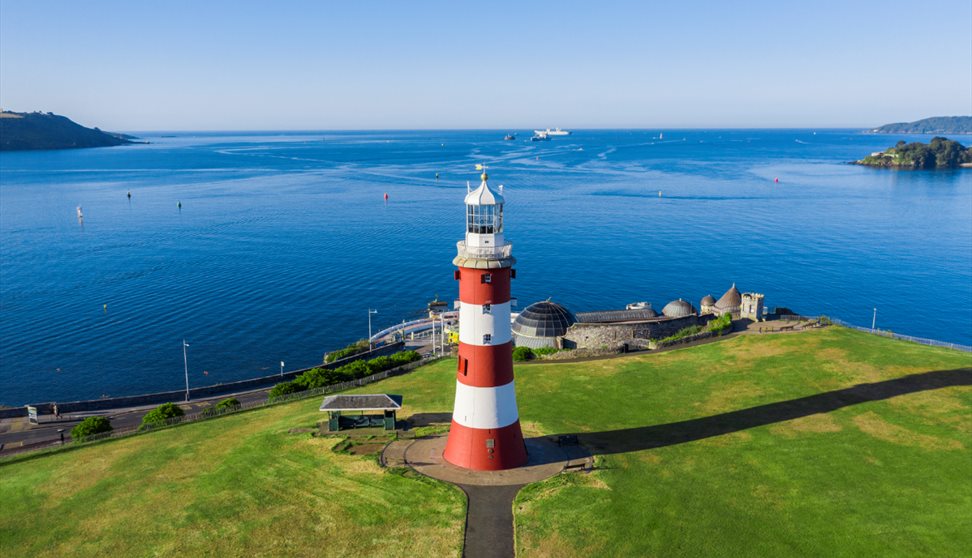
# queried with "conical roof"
point(678, 308)
point(731, 299)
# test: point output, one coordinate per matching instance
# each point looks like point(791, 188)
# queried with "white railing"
point(503, 251)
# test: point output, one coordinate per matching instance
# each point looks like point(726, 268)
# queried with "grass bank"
point(241, 485)
point(885, 477)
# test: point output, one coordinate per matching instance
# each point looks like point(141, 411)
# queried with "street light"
point(370, 312)
point(281, 368)
point(185, 362)
point(874, 320)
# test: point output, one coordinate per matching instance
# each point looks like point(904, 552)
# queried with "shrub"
point(545, 351)
point(521, 354)
point(285, 388)
point(90, 427)
point(351, 350)
point(320, 377)
point(162, 415)
point(229, 403)
point(225, 406)
point(720, 324)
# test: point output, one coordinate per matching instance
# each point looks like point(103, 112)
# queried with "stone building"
point(729, 302)
point(751, 306)
point(634, 333)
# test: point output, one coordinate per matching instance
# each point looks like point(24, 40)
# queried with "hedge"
point(320, 377)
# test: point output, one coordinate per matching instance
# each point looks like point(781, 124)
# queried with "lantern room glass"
point(484, 219)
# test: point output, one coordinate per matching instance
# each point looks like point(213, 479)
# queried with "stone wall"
point(589, 335)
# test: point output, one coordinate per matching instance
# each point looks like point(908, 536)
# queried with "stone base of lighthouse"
point(485, 449)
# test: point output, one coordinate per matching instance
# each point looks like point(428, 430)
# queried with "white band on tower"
point(485, 407)
point(475, 323)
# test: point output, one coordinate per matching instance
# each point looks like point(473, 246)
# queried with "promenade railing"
point(913, 339)
point(876, 331)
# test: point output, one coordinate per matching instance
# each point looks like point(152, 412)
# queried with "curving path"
point(489, 494)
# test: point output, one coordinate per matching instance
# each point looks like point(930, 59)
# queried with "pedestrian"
point(57, 412)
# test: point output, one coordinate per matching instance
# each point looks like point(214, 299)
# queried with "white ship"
point(554, 132)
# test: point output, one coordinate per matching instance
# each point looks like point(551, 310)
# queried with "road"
point(18, 435)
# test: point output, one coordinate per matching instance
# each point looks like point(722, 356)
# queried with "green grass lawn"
point(241, 485)
point(882, 478)
point(885, 477)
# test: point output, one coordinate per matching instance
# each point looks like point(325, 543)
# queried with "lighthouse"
point(485, 433)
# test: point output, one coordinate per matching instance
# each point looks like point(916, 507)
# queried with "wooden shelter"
point(361, 411)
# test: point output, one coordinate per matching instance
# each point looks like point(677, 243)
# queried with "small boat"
point(437, 306)
point(540, 136)
point(554, 132)
point(509, 137)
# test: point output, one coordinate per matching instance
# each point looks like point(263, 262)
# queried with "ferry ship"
point(554, 132)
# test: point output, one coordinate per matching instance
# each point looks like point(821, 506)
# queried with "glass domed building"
point(541, 324)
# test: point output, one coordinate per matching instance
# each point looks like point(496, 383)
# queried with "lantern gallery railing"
point(504, 251)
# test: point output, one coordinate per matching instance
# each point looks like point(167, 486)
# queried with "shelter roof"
point(370, 402)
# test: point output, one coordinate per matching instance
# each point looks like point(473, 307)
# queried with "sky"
point(288, 65)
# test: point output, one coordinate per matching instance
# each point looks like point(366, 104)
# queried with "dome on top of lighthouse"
point(484, 195)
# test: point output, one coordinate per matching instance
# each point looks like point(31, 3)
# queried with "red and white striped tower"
point(485, 433)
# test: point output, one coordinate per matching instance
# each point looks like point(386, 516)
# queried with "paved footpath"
point(489, 494)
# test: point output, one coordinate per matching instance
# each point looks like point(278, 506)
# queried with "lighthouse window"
point(483, 219)
point(487, 308)
point(487, 278)
point(487, 339)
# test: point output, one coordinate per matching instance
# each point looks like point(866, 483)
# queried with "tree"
point(89, 427)
point(164, 414)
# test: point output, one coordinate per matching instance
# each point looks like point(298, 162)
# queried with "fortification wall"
point(592, 336)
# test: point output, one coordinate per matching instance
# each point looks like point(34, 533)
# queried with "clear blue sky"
point(212, 65)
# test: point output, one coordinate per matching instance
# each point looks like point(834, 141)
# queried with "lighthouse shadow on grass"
point(661, 435)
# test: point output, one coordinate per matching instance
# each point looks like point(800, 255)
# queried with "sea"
point(257, 248)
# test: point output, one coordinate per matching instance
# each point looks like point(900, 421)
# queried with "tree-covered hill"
point(933, 125)
point(940, 153)
point(36, 130)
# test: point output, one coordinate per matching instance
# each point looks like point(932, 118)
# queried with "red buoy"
point(774, 180)
point(386, 196)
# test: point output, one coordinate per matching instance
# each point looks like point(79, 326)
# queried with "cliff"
point(35, 130)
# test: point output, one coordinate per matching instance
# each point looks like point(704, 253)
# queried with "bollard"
point(60, 432)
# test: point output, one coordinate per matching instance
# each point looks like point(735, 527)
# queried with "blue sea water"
point(284, 241)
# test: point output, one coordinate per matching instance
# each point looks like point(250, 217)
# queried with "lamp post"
point(281, 368)
point(370, 312)
point(442, 336)
point(185, 362)
point(874, 320)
